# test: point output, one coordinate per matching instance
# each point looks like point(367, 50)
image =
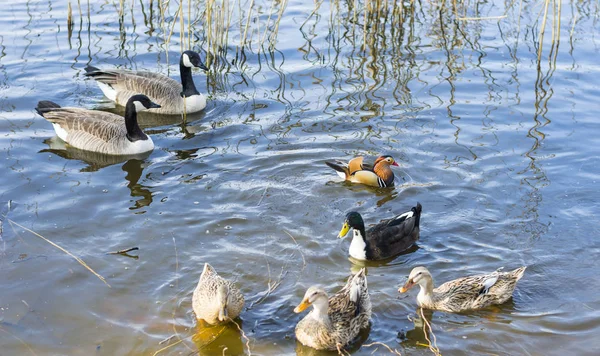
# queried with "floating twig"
point(243, 336)
point(299, 250)
point(433, 347)
point(122, 252)
point(393, 351)
point(81, 262)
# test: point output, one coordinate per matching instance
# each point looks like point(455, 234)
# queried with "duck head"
point(418, 275)
point(387, 159)
point(316, 297)
point(353, 220)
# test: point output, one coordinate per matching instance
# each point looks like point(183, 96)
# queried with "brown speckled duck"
point(216, 300)
point(358, 170)
point(467, 293)
point(335, 322)
point(384, 240)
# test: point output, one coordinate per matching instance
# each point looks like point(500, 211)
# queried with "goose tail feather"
point(45, 106)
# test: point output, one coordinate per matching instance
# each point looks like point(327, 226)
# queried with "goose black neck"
point(187, 82)
point(134, 133)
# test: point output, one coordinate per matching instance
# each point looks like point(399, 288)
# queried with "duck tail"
point(341, 168)
point(357, 283)
point(417, 211)
point(518, 273)
point(45, 106)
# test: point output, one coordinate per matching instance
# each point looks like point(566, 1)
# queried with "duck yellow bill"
point(344, 230)
point(408, 285)
point(302, 306)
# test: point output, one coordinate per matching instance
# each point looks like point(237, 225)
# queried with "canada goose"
point(101, 131)
point(119, 85)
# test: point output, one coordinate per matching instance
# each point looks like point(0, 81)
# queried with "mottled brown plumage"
point(335, 322)
point(359, 170)
point(467, 293)
point(216, 300)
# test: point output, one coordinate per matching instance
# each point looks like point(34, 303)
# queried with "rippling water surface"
point(500, 148)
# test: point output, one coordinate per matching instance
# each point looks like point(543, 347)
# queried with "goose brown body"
point(100, 131)
point(334, 322)
point(359, 170)
point(215, 299)
point(119, 85)
point(467, 293)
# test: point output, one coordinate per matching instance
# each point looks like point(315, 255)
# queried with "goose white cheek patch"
point(139, 106)
point(186, 61)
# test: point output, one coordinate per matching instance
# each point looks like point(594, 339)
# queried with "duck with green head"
point(384, 240)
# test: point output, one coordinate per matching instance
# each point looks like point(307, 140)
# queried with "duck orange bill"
point(302, 306)
point(395, 164)
point(408, 285)
point(344, 230)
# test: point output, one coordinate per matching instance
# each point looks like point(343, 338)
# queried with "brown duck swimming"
point(216, 300)
point(358, 170)
point(334, 322)
point(467, 293)
point(384, 240)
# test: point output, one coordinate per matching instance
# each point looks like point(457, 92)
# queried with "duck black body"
point(384, 240)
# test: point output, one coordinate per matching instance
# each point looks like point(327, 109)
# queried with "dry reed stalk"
point(542, 31)
point(81, 262)
point(366, 10)
point(271, 286)
point(181, 27)
point(260, 44)
point(273, 36)
point(166, 347)
point(299, 250)
point(243, 43)
point(20, 340)
point(69, 15)
point(433, 347)
point(393, 351)
point(243, 336)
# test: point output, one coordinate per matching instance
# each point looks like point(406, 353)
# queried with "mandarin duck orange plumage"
point(358, 170)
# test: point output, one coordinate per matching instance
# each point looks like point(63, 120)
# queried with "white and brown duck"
point(359, 170)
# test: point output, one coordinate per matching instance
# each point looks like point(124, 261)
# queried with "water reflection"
point(133, 166)
point(354, 346)
point(219, 339)
point(95, 161)
point(420, 333)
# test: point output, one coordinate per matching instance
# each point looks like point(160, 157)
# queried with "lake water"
point(500, 148)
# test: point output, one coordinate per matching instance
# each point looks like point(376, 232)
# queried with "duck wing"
point(392, 236)
point(350, 308)
point(480, 291)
